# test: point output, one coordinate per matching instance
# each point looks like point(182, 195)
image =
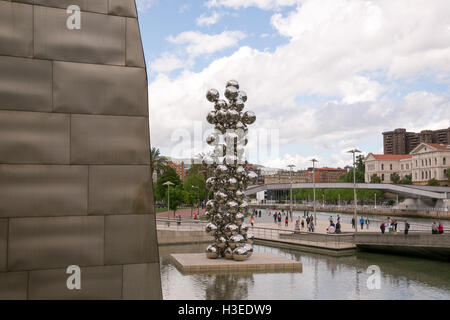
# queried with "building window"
point(390, 166)
point(382, 166)
point(402, 167)
point(407, 166)
point(426, 175)
point(417, 164)
point(423, 175)
point(444, 161)
point(422, 162)
point(435, 161)
point(382, 177)
point(416, 175)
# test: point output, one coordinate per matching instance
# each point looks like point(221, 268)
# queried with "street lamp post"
point(354, 152)
point(290, 179)
point(375, 200)
point(314, 187)
point(198, 200)
point(168, 184)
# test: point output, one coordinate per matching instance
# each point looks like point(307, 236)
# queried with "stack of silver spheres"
point(227, 211)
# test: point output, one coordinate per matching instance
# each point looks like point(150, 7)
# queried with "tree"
point(157, 162)
point(169, 174)
point(395, 178)
point(433, 183)
point(375, 178)
point(177, 197)
point(193, 194)
point(359, 174)
point(448, 174)
point(406, 179)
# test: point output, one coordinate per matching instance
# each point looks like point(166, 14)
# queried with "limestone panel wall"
point(75, 181)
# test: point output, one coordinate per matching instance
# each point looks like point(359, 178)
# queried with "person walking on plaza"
point(353, 223)
point(252, 220)
point(311, 226)
point(330, 219)
point(434, 228)
point(382, 227)
point(297, 225)
point(361, 221)
point(407, 226)
point(367, 223)
point(303, 224)
point(260, 213)
point(338, 218)
point(308, 220)
point(286, 221)
point(338, 227)
point(440, 228)
point(279, 219)
point(275, 217)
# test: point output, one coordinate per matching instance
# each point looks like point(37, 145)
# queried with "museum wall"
point(75, 180)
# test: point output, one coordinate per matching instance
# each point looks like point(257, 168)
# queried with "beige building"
point(427, 161)
point(430, 161)
point(384, 165)
point(284, 177)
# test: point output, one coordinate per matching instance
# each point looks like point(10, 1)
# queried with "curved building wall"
point(75, 180)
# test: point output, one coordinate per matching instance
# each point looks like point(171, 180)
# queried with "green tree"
point(360, 172)
point(158, 163)
point(169, 174)
point(448, 174)
point(196, 193)
point(395, 178)
point(406, 179)
point(375, 178)
point(178, 196)
point(433, 183)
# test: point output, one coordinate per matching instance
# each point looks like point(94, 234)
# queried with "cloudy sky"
point(322, 76)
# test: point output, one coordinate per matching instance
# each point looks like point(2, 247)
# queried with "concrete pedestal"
point(258, 262)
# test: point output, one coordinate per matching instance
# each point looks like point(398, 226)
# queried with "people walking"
point(279, 219)
point(353, 223)
point(361, 221)
point(252, 220)
point(382, 227)
point(338, 227)
point(407, 226)
point(367, 223)
point(311, 226)
point(297, 225)
point(440, 228)
point(434, 228)
point(275, 217)
point(286, 221)
point(303, 224)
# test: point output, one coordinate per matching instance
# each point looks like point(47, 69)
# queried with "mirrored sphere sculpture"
point(230, 178)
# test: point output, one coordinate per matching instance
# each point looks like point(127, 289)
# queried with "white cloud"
point(166, 63)
point(198, 43)
point(205, 20)
point(144, 5)
point(349, 52)
point(262, 4)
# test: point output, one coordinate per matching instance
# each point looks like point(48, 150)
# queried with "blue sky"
point(322, 75)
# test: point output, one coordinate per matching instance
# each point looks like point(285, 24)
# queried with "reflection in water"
point(323, 277)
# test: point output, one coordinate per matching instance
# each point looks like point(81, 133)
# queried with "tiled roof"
point(438, 146)
point(391, 156)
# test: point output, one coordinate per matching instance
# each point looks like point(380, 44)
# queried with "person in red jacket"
point(441, 228)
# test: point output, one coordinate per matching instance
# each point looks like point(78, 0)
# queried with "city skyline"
point(329, 75)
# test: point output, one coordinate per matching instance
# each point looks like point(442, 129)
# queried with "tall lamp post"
point(168, 184)
point(198, 200)
point(290, 178)
point(354, 152)
point(314, 187)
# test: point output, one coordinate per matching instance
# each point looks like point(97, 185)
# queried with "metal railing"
point(180, 225)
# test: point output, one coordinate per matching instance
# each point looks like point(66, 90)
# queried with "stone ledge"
point(258, 262)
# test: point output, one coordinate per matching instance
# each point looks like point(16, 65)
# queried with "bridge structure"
point(408, 191)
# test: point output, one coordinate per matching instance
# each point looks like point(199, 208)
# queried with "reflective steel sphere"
point(221, 242)
point(232, 83)
point(212, 95)
point(240, 254)
point(212, 139)
point(210, 182)
point(249, 249)
point(221, 171)
point(210, 205)
point(220, 197)
point(236, 241)
point(212, 252)
point(211, 117)
point(252, 176)
point(221, 105)
point(239, 104)
point(232, 207)
point(232, 184)
point(231, 93)
point(211, 229)
point(248, 117)
point(231, 229)
point(243, 96)
point(228, 253)
point(239, 219)
point(207, 160)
